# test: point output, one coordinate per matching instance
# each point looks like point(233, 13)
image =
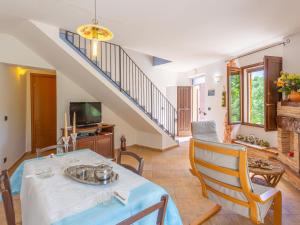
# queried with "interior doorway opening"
point(199, 98)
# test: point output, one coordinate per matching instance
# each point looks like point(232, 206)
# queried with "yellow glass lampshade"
point(94, 32)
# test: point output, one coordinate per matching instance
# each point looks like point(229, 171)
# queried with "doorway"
point(199, 99)
point(43, 110)
point(184, 110)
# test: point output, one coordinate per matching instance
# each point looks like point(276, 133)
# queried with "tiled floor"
point(170, 169)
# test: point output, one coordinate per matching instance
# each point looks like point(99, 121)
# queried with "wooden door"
point(272, 68)
point(184, 110)
point(43, 110)
point(104, 145)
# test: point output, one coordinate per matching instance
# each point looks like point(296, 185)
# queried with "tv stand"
point(102, 142)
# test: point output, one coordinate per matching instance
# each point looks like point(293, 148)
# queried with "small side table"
point(271, 177)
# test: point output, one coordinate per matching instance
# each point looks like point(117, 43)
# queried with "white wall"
point(291, 55)
point(15, 52)
point(217, 112)
point(12, 104)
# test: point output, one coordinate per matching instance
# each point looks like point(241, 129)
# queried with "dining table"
point(59, 200)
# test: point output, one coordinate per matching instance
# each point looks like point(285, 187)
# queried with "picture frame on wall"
point(211, 92)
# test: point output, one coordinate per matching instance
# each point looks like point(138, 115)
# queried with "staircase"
point(116, 65)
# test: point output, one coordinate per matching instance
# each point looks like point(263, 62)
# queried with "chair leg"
point(207, 215)
point(278, 209)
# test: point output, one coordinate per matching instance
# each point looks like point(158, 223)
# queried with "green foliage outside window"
point(256, 88)
point(235, 94)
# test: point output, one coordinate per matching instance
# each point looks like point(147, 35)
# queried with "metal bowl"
point(103, 172)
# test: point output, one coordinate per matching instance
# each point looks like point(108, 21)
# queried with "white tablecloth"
point(47, 200)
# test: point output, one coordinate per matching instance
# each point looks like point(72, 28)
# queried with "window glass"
point(256, 96)
point(234, 97)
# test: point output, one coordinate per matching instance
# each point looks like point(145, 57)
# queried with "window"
point(255, 95)
point(252, 93)
point(234, 96)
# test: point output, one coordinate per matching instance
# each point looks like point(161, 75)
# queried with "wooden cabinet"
point(102, 143)
point(87, 142)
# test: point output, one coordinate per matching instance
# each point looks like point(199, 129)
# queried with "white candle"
point(74, 123)
point(66, 126)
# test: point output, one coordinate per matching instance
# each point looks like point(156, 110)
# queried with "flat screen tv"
point(87, 113)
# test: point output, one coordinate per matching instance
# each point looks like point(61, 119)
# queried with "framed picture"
point(211, 92)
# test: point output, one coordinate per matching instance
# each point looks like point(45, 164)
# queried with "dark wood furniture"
point(102, 143)
point(7, 198)
point(161, 207)
point(184, 110)
point(140, 160)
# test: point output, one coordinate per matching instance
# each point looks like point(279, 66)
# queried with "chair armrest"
point(266, 196)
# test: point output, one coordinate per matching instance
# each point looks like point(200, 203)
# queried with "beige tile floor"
point(170, 169)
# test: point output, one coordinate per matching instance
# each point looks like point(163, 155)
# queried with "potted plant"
point(289, 86)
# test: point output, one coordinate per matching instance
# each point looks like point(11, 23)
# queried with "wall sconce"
point(20, 71)
point(218, 78)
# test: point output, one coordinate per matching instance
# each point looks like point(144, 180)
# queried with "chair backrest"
point(160, 206)
point(205, 130)
point(39, 151)
point(223, 172)
point(139, 159)
point(7, 198)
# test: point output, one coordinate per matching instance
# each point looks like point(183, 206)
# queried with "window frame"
point(253, 67)
point(229, 70)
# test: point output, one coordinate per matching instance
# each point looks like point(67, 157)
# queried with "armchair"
point(223, 172)
point(205, 130)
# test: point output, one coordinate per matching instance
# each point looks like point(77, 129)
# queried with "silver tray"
point(87, 175)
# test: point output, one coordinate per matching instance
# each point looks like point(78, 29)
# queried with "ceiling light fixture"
point(94, 32)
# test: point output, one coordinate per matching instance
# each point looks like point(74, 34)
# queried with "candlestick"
point(74, 123)
point(74, 139)
point(66, 143)
point(66, 126)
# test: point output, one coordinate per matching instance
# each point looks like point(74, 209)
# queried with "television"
point(87, 113)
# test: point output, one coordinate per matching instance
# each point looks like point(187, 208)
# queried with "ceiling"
point(191, 33)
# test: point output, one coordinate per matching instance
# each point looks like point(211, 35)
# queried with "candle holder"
point(66, 143)
point(74, 139)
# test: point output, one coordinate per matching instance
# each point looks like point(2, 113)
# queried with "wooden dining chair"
point(223, 172)
point(160, 206)
point(7, 198)
point(39, 151)
point(139, 159)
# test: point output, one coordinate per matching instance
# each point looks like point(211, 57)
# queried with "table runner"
point(69, 203)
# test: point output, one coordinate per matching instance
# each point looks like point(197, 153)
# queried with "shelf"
point(289, 103)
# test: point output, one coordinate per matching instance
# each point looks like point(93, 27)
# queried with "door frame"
point(38, 74)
